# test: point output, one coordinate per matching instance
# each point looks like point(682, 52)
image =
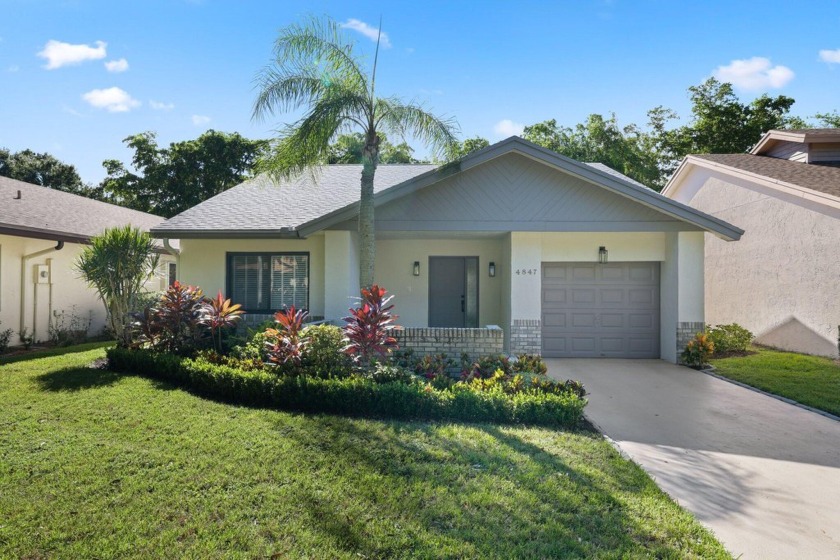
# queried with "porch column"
point(525, 293)
point(682, 291)
point(341, 273)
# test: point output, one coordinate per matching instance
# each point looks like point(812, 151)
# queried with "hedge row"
point(354, 396)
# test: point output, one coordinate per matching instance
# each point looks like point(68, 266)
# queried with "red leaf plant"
point(367, 332)
point(220, 314)
point(285, 344)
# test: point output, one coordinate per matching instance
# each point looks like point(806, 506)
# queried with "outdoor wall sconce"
point(416, 268)
point(603, 255)
point(492, 270)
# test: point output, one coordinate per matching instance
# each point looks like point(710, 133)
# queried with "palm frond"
point(409, 119)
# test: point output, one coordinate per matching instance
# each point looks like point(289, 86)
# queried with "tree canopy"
point(170, 180)
point(349, 148)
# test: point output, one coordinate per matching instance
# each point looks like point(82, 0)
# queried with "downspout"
point(175, 253)
point(23, 260)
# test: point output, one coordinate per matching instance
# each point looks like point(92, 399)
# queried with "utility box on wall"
point(42, 274)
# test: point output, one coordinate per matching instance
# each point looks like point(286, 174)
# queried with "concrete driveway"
point(762, 474)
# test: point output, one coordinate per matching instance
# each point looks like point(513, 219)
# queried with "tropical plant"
point(368, 329)
point(314, 67)
point(220, 314)
point(285, 344)
point(698, 350)
point(117, 263)
point(530, 363)
point(177, 322)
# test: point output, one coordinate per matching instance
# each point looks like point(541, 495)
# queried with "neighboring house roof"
point(45, 213)
point(305, 205)
point(820, 178)
point(800, 135)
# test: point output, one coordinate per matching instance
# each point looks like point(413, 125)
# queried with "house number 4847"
point(526, 271)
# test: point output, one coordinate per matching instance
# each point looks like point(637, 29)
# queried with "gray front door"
point(453, 292)
point(594, 310)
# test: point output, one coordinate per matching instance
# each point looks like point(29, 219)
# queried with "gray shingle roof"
point(47, 213)
point(263, 205)
point(609, 170)
point(821, 178)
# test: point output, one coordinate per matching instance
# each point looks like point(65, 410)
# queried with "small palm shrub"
point(729, 338)
point(698, 350)
point(367, 332)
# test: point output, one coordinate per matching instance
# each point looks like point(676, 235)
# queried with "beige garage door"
point(592, 310)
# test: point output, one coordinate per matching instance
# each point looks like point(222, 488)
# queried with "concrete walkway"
point(762, 474)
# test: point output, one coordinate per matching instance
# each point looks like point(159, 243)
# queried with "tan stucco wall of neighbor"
point(781, 279)
point(204, 262)
point(394, 270)
point(68, 289)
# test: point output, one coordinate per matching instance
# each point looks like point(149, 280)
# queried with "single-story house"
point(563, 258)
point(781, 280)
point(42, 233)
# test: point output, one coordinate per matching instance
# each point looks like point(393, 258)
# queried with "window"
point(172, 274)
point(268, 282)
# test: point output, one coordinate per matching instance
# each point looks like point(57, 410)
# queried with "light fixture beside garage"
point(603, 254)
point(416, 268)
point(492, 270)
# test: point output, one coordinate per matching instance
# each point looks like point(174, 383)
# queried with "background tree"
point(469, 145)
point(44, 170)
point(117, 263)
point(601, 140)
point(349, 148)
point(314, 67)
point(170, 180)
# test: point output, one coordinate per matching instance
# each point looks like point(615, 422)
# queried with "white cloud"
point(507, 127)
point(60, 54)
point(160, 105)
point(120, 65)
point(832, 57)
point(199, 120)
point(368, 31)
point(13, 68)
point(114, 100)
point(755, 73)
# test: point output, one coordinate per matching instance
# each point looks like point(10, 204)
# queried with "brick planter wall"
point(452, 342)
point(525, 337)
point(685, 332)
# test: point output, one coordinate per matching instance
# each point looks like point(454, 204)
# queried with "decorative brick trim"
point(526, 336)
point(450, 341)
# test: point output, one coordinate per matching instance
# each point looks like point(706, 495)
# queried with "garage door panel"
point(604, 311)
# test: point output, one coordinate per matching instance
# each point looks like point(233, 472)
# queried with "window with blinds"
point(269, 282)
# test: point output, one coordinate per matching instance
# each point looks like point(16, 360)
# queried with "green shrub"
point(388, 373)
point(355, 395)
point(324, 355)
point(5, 338)
point(68, 329)
point(698, 350)
point(729, 338)
point(487, 366)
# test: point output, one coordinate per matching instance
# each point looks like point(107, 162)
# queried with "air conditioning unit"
point(42, 274)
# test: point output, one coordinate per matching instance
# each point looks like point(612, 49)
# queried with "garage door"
point(592, 310)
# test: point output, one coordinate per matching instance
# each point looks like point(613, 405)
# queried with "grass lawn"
point(94, 464)
point(806, 379)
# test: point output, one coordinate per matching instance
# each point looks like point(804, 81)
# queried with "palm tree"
point(314, 68)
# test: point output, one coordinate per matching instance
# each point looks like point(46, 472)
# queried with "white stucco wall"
point(394, 270)
point(781, 279)
point(204, 262)
point(68, 289)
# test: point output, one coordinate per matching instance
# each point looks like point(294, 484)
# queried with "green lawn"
point(94, 464)
point(809, 380)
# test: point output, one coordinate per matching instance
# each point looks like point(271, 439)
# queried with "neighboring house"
point(511, 235)
point(42, 232)
point(781, 280)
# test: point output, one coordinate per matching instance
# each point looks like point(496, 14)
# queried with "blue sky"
point(76, 77)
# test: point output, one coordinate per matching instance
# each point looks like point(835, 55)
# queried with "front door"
point(453, 292)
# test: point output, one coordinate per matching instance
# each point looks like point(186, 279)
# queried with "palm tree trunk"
point(367, 235)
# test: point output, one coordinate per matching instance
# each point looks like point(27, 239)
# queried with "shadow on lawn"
point(496, 495)
point(76, 379)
